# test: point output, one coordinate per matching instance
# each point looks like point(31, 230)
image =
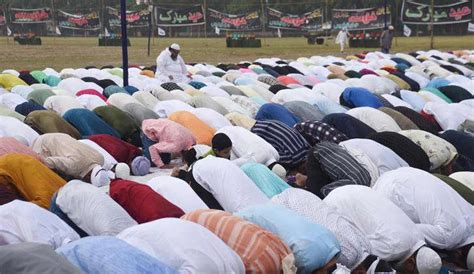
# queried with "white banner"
point(161, 32)
point(406, 31)
point(470, 27)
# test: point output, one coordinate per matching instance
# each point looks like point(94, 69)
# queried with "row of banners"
point(352, 19)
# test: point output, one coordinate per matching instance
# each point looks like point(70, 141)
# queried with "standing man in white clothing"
point(170, 66)
point(342, 39)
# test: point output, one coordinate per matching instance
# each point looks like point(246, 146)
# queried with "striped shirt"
point(260, 250)
point(291, 146)
point(340, 165)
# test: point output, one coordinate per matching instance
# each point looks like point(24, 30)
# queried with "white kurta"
point(12, 127)
point(449, 116)
point(120, 100)
point(91, 101)
point(61, 104)
point(249, 147)
point(26, 222)
point(383, 157)
point(177, 192)
point(441, 214)
point(184, 246)
point(211, 117)
point(355, 248)
point(391, 233)
point(375, 118)
point(228, 184)
point(166, 108)
point(93, 210)
point(11, 100)
point(166, 67)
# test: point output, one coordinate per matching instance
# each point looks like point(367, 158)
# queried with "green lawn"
point(62, 52)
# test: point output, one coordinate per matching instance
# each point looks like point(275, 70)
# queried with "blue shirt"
point(110, 255)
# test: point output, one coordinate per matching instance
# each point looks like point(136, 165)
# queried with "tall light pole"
point(123, 21)
point(432, 24)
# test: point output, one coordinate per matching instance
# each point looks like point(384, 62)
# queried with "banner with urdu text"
point(234, 22)
point(3, 20)
point(308, 21)
point(30, 16)
point(170, 17)
point(416, 13)
point(88, 21)
point(359, 19)
point(135, 19)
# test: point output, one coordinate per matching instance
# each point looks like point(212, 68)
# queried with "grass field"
point(62, 52)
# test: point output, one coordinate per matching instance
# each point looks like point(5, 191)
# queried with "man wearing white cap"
point(394, 237)
point(170, 65)
point(386, 39)
point(444, 218)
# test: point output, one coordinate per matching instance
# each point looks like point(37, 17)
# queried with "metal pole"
point(102, 19)
point(263, 19)
point(150, 28)
point(432, 25)
point(205, 16)
point(385, 13)
point(396, 22)
point(123, 19)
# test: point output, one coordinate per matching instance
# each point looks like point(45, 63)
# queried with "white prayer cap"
point(391, 28)
point(175, 46)
point(99, 176)
point(470, 259)
point(122, 171)
point(279, 170)
point(428, 261)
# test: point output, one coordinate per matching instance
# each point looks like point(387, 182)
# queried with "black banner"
point(416, 13)
point(233, 22)
point(30, 16)
point(361, 19)
point(169, 17)
point(309, 21)
point(2, 17)
point(89, 21)
point(135, 19)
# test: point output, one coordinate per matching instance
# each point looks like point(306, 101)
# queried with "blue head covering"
point(130, 89)
point(27, 107)
point(265, 179)
point(361, 97)
point(463, 142)
point(106, 254)
point(52, 80)
point(88, 123)
point(438, 82)
point(312, 244)
point(197, 85)
point(401, 61)
point(350, 126)
point(272, 111)
point(108, 91)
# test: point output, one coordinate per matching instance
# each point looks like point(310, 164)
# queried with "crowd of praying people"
point(361, 164)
